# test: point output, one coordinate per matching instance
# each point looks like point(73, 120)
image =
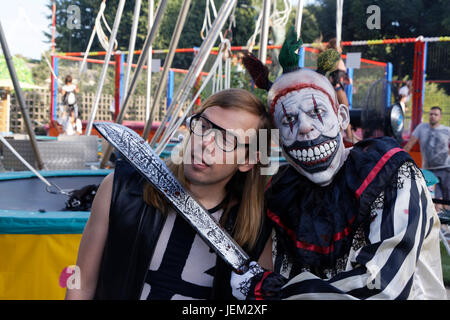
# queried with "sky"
point(24, 22)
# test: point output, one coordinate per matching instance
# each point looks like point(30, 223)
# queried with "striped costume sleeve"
point(385, 268)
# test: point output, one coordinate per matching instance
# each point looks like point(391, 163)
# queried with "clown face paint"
point(310, 134)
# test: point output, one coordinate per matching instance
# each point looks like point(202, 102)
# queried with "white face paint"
point(310, 133)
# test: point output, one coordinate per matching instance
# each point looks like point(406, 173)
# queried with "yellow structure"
point(36, 249)
point(32, 265)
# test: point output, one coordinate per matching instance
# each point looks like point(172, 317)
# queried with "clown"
point(347, 223)
point(310, 123)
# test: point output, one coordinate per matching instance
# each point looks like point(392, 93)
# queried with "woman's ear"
point(343, 115)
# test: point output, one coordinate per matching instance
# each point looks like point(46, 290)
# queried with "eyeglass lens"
point(202, 127)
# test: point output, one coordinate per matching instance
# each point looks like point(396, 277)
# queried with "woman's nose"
point(208, 140)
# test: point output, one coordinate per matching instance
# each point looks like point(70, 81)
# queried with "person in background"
point(434, 139)
point(404, 95)
point(71, 124)
point(69, 91)
point(112, 110)
point(339, 79)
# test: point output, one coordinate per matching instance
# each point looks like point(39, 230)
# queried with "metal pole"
point(301, 57)
point(418, 76)
point(24, 162)
point(29, 166)
point(105, 66)
point(118, 70)
point(149, 64)
point(53, 25)
point(349, 88)
point(20, 98)
point(170, 84)
point(339, 10)
point(54, 90)
point(388, 77)
point(167, 63)
point(264, 31)
point(424, 72)
point(137, 9)
point(212, 73)
point(94, 31)
point(142, 60)
point(53, 80)
point(199, 61)
point(298, 17)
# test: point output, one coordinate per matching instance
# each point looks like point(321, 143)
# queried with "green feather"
point(327, 61)
point(288, 57)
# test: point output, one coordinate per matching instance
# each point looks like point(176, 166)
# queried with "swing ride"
point(50, 223)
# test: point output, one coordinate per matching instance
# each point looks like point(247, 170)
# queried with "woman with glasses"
point(135, 246)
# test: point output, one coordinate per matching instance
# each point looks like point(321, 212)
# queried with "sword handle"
point(242, 269)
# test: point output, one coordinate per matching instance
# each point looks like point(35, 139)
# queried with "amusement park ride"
point(36, 224)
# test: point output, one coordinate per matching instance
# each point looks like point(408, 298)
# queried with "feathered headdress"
point(327, 61)
point(258, 71)
point(294, 78)
point(288, 57)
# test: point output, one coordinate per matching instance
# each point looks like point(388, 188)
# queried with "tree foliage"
point(399, 19)
point(72, 39)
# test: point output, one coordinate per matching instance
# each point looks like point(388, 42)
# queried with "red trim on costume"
point(312, 247)
point(297, 87)
point(258, 293)
point(376, 170)
point(342, 234)
point(268, 184)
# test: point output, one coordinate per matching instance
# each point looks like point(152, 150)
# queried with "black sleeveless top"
point(134, 229)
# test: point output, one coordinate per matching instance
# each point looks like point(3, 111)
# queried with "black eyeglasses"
point(202, 126)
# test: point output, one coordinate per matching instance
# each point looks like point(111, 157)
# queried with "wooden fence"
point(38, 103)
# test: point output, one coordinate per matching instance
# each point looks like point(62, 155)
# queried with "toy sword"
point(139, 153)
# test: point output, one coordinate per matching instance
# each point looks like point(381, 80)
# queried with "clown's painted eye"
point(289, 119)
point(316, 113)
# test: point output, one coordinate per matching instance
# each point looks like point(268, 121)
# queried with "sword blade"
point(139, 153)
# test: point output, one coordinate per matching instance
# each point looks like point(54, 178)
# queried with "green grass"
point(445, 265)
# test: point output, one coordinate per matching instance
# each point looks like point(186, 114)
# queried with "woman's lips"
point(199, 163)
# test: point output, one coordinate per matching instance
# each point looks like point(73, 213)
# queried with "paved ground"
point(448, 293)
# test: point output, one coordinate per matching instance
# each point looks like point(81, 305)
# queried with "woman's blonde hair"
point(246, 188)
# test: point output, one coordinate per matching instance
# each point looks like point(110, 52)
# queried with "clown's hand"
point(241, 283)
point(257, 284)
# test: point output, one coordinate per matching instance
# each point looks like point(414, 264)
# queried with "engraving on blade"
point(141, 155)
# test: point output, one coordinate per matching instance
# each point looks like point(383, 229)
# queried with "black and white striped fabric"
point(400, 261)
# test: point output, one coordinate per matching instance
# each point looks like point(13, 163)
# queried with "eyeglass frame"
point(214, 126)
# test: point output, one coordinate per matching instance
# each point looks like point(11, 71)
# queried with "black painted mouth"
point(313, 155)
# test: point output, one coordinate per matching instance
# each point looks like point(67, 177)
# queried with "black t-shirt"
point(183, 265)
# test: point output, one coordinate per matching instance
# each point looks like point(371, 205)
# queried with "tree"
point(69, 39)
point(399, 19)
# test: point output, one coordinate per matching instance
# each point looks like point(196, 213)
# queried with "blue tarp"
point(29, 222)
